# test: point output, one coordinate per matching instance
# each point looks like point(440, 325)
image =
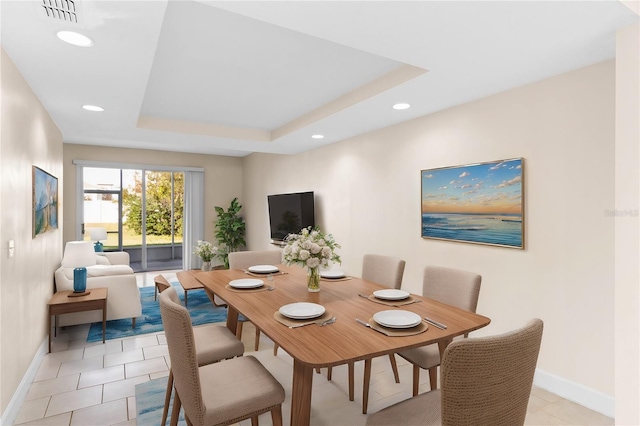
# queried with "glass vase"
point(313, 280)
point(206, 266)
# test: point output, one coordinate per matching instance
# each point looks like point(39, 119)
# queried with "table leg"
point(442, 345)
point(232, 319)
point(301, 394)
point(104, 320)
point(365, 385)
point(49, 330)
point(186, 305)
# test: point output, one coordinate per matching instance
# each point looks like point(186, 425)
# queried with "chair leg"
point(416, 379)
point(167, 398)
point(329, 372)
point(275, 349)
point(351, 380)
point(276, 416)
point(394, 367)
point(175, 413)
point(254, 421)
point(239, 330)
point(365, 385)
point(433, 378)
point(257, 343)
point(133, 323)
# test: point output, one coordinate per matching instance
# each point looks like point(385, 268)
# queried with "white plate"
point(332, 274)
point(263, 269)
point(246, 283)
point(397, 319)
point(302, 310)
point(391, 294)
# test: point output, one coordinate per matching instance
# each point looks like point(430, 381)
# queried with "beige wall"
point(28, 137)
point(223, 177)
point(368, 196)
point(627, 228)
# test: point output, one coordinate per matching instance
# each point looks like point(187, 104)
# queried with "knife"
point(366, 324)
point(435, 323)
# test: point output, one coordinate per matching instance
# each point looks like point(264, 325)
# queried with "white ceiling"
point(237, 77)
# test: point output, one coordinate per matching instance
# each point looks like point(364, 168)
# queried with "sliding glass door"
point(141, 210)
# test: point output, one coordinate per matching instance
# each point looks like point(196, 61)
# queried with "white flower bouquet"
point(205, 250)
point(311, 248)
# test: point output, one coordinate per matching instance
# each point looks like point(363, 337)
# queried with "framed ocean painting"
point(45, 201)
point(477, 203)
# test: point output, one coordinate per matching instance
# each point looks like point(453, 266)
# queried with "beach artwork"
point(477, 203)
point(45, 202)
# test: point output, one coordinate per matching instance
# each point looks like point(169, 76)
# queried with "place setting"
point(248, 285)
point(333, 275)
point(299, 314)
point(396, 323)
point(263, 270)
point(391, 297)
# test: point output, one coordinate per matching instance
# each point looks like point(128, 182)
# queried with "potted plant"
point(229, 231)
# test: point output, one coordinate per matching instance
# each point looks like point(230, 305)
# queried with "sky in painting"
point(488, 188)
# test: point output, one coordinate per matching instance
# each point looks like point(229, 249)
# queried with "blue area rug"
point(201, 309)
point(150, 402)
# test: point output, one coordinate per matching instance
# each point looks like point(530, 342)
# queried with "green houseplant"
point(229, 231)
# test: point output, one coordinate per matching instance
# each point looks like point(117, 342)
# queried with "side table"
point(189, 282)
point(61, 303)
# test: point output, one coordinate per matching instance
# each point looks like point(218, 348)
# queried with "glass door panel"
point(164, 194)
point(101, 204)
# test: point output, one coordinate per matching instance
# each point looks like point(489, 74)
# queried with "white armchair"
point(110, 270)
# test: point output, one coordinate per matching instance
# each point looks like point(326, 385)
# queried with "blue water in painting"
point(499, 229)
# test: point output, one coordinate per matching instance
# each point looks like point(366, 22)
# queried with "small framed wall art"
point(45, 202)
point(476, 203)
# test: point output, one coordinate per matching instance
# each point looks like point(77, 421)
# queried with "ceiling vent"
point(61, 10)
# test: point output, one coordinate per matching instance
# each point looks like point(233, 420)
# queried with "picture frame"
point(45, 201)
point(480, 203)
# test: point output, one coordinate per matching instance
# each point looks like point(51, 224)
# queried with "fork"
point(329, 321)
point(320, 323)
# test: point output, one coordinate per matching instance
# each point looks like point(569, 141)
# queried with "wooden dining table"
point(344, 341)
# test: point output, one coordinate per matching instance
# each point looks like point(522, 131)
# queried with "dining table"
point(344, 341)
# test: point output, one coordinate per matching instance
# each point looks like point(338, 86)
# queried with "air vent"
point(61, 10)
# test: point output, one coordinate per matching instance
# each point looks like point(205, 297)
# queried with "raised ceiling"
point(232, 78)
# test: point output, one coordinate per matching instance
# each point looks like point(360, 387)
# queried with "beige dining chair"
point(219, 393)
point(213, 343)
point(453, 287)
point(486, 381)
point(246, 259)
point(386, 271)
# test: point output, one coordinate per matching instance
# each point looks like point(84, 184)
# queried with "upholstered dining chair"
point(453, 287)
point(219, 393)
point(486, 381)
point(386, 271)
point(246, 259)
point(213, 343)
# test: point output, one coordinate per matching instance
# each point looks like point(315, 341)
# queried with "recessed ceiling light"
point(93, 108)
point(401, 106)
point(74, 38)
point(317, 136)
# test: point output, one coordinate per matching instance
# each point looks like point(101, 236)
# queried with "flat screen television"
point(289, 213)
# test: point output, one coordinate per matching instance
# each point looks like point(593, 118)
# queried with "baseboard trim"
point(11, 413)
point(587, 397)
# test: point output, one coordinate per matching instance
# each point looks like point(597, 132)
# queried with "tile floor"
point(92, 384)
